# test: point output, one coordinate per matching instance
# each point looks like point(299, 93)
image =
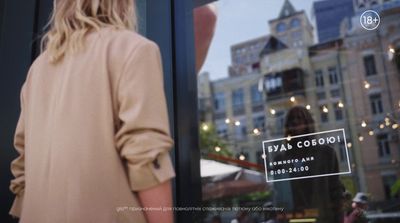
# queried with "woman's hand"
point(156, 197)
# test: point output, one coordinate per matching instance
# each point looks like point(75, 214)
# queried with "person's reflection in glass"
point(323, 194)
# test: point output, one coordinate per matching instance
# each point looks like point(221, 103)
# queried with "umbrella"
point(223, 180)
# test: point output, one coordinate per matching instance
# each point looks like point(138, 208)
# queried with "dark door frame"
point(169, 24)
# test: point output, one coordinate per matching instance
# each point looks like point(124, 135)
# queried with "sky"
point(238, 21)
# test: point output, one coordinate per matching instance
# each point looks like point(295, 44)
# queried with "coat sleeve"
point(17, 185)
point(143, 137)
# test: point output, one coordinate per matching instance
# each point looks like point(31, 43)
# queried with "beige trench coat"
point(93, 128)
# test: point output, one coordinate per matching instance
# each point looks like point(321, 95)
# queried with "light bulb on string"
point(367, 85)
point(363, 124)
point(256, 131)
point(308, 107)
point(205, 127)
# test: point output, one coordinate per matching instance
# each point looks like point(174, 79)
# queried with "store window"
point(369, 65)
point(306, 87)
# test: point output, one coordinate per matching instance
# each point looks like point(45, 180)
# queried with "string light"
point(361, 138)
point(242, 157)
point(340, 104)
point(217, 149)
point(381, 126)
point(205, 127)
point(349, 145)
point(367, 85)
point(395, 126)
point(272, 111)
point(325, 109)
point(363, 124)
point(292, 99)
point(371, 133)
point(308, 107)
point(227, 121)
point(392, 50)
point(263, 156)
point(288, 138)
point(256, 131)
point(237, 123)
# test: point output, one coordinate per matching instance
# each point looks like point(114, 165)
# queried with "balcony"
point(283, 84)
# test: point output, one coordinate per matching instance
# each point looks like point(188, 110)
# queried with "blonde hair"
point(71, 20)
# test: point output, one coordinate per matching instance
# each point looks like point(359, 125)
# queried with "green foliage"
point(395, 190)
point(256, 196)
point(209, 141)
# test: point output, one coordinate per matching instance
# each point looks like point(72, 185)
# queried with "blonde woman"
point(93, 135)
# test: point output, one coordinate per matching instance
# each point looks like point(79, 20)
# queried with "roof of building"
point(273, 45)
point(287, 10)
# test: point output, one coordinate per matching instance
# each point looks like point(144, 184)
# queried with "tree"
point(211, 142)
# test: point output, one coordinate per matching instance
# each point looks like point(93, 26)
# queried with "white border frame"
point(313, 176)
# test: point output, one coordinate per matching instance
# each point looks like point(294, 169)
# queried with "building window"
point(369, 65)
point(259, 123)
point(256, 95)
point(280, 121)
point(238, 100)
point(333, 76)
point(335, 93)
point(219, 102)
point(295, 23)
point(296, 35)
point(388, 182)
point(321, 95)
point(323, 110)
point(274, 84)
point(383, 145)
point(281, 27)
point(376, 104)
point(319, 78)
point(241, 130)
point(222, 131)
point(338, 112)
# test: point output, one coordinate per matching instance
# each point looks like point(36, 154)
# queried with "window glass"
point(369, 65)
point(295, 23)
point(331, 103)
point(281, 27)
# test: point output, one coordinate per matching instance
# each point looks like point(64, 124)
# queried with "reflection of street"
point(349, 80)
